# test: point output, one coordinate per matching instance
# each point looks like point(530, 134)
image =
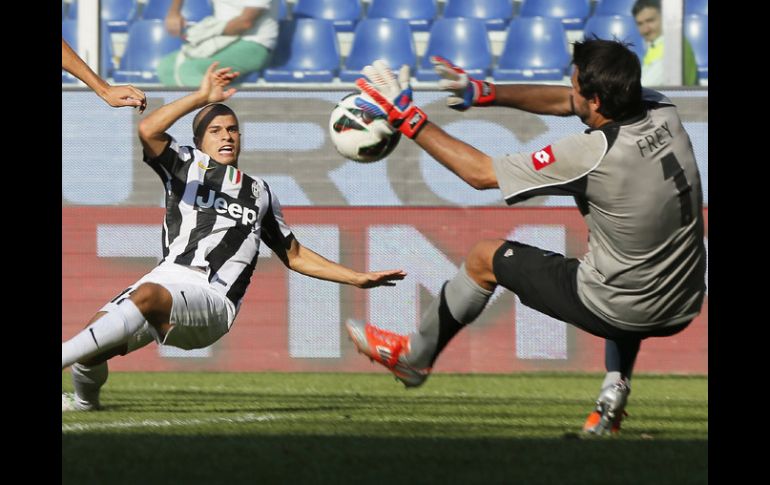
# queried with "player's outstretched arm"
point(535, 98)
point(152, 129)
point(393, 98)
point(309, 263)
point(116, 96)
point(465, 91)
point(465, 161)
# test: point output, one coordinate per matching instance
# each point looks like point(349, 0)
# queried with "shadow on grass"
point(213, 459)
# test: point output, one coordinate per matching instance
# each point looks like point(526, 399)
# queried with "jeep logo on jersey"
point(543, 158)
point(211, 201)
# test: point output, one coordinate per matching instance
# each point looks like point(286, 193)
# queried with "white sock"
point(88, 381)
point(107, 332)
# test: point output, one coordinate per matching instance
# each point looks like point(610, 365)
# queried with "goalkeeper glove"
point(392, 97)
point(466, 91)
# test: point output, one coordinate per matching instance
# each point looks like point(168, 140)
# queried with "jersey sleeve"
point(172, 162)
point(557, 169)
point(275, 232)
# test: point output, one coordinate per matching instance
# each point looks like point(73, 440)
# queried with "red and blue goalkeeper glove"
point(466, 91)
point(391, 97)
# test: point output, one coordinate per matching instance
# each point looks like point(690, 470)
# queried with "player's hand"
point(215, 81)
point(392, 97)
point(466, 91)
point(379, 278)
point(118, 96)
point(175, 23)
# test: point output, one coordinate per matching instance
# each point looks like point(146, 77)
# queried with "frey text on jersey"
point(655, 141)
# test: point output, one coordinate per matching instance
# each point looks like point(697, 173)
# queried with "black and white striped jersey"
point(216, 216)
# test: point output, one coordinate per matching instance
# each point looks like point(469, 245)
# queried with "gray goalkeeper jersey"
point(638, 187)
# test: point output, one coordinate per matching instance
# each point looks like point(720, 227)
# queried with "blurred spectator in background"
point(241, 34)
point(647, 14)
point(116, 96)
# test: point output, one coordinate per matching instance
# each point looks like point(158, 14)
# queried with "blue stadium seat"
point(419, 13)
point(283, 10)
point(535, 49)
point(620, 27)
point(344, 13)
point(69, 32)
point(496, 13)
point(700, 7)
point(572, 13)
point(463, 41)
point(251, 77)
point(388, 39)
point(192, 10)
point(106, 66)
point(614, 7)
point(147, 43)
point(307, 52)
point(696, 30)
point(118, 14)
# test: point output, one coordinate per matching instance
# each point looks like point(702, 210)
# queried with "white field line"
point(164, 423)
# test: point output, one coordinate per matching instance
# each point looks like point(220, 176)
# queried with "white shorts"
point(200, 315)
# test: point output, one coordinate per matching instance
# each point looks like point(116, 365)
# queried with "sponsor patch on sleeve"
point(543, 158)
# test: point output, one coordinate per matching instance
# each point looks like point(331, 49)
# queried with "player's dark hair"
point(609, 70)
point(205, 115)
point(640, 5)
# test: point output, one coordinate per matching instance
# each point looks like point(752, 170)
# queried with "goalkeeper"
point(635, 181)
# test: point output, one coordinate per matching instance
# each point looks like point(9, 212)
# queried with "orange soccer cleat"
point(388, 349)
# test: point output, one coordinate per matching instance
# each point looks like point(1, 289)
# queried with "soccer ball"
point(358, 135)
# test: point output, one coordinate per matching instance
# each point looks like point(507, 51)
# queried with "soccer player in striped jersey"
point(216, 218)
point(635, 181)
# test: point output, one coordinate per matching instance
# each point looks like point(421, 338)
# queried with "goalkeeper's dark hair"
point(205, 115)
point(611, 71)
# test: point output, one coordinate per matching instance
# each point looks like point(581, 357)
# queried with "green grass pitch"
point(256, 428)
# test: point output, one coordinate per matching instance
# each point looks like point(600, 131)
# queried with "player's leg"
point(460, 301)
point(148, 302)
point(547, 282)
point(90, 371)
point(619, 358)
point(89, 376)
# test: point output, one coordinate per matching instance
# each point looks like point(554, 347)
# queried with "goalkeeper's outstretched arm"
point(466, 91)
point(535, 98)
